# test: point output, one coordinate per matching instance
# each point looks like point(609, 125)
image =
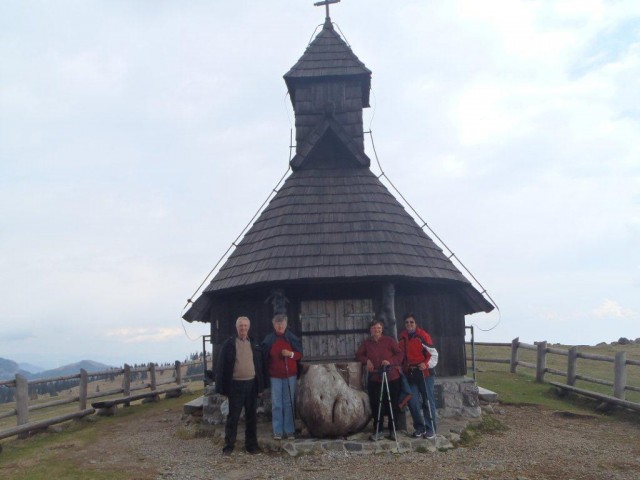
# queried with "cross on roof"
point(326, 3)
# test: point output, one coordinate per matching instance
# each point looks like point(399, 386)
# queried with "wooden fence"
point(23, 387)
point(541, 349)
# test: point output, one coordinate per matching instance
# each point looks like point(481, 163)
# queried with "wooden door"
point(333, 329)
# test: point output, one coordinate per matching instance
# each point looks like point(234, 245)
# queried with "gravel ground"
point(537, 444)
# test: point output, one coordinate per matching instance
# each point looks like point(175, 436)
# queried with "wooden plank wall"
point(327, 315)
point(312, 99)
point(441, 314)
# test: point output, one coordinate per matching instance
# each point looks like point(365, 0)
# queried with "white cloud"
point(133, 151)
point(92, 72)
point(142, 335)
point(612, 309)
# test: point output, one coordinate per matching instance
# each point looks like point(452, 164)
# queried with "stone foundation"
point(458, 397)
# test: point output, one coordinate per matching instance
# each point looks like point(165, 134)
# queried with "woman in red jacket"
point(419, 360)
point(380, 352)
point(282, 351)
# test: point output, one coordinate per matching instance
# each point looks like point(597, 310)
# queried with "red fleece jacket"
point(277, 362)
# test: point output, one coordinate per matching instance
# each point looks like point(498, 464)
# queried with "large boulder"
point(328, 406)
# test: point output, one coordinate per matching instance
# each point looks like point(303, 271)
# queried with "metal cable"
point(425, 224)
point(234, 243)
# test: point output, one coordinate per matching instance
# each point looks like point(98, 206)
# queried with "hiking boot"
point(429, 435)
point(254, 450)
point(227, 450)
point(417, 434)
point(391, 436)
point(376, 436)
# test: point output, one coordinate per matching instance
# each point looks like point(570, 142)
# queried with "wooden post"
point(388, 313)
point(22, 399)
point(179, 372)
point(514, 354)
point(541, 361)
point(571, 366)
point(152, 376)
point(620, 378)
point(82, 392)
point(126, 382)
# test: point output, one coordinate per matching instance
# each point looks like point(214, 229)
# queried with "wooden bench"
point(41, 425)
point(598, 396)
point(108, 407)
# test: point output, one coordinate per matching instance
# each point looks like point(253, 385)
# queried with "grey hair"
point(280, 318)
point(242, 318)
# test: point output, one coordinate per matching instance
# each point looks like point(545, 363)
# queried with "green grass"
point(488, 425)
point(48, 456)
point(592, 368)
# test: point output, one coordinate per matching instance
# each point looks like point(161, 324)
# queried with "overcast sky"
point(138, 138)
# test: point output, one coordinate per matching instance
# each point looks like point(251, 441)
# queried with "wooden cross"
point(326, 3)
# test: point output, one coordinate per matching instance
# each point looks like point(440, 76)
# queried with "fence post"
point(152, 376)
point(541, 361)
point(178, 372)
point(620, 372)
point(82, 391)
point(126, 383)
point(22, 399)
point(514, 354)
point(571, 365)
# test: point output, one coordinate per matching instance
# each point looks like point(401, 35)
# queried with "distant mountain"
point(29, 367)
point(9, 368)
point(73, 368)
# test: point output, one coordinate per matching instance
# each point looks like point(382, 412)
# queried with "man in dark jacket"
point(239, 377)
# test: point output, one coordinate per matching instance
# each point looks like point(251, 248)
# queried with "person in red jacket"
point(419, 360)
point(282, 351)
point(377, 353)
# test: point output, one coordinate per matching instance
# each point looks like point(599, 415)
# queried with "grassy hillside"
point(488, 373)
point(58, 455)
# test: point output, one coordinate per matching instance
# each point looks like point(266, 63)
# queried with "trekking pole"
point(385, 379)
point(380, 405)
point(293, 407)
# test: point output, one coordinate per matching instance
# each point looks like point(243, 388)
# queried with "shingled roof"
point(328, 56)
point(328, 224)
point(333, 220)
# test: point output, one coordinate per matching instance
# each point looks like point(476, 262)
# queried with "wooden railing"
point(23, 406)
point(620, 362)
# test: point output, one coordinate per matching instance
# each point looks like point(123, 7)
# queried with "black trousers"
point(373, 389)
point(244, 393)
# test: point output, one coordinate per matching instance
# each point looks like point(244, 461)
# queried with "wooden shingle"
point(333, 220)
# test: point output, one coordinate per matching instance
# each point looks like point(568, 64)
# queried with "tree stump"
point(328, 406)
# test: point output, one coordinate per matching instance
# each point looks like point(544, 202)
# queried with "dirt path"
point(537, 444)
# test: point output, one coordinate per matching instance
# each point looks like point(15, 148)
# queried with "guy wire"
point(425, 224)
point(234, 243)
point(342, 34)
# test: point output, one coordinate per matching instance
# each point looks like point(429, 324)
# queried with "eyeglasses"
point(408, 322)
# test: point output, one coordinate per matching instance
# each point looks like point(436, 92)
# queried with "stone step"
point(194, 406)
point(487, 395)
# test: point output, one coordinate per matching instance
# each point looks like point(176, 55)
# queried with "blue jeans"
point(281, 407)
point(422, 403)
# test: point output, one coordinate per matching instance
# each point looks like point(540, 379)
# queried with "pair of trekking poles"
point(385, 386)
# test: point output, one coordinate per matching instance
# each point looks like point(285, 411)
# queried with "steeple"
point(329, 86)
